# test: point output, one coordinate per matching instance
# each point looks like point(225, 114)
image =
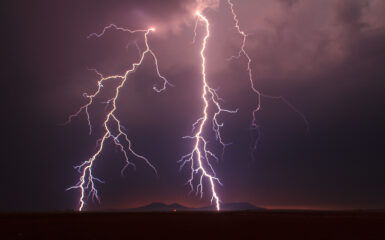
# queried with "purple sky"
point(325, 56)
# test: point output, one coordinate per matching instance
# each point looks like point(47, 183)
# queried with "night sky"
point(325, 56)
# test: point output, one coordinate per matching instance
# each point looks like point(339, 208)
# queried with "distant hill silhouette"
point(161, 207)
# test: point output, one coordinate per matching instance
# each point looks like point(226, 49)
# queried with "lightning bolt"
point(87, 180)
point(260, 95)
point(200, 157)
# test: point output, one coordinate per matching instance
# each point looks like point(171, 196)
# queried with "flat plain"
point(195, 225)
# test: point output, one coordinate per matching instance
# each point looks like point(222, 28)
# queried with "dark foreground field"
point(197, 225)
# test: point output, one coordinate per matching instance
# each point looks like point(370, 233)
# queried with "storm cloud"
point(325, 56)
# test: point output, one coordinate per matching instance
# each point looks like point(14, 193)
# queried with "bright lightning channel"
point(200, 157)
point(86, 183)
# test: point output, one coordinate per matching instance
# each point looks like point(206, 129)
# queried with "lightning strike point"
point(86, 183)
point(200, 158)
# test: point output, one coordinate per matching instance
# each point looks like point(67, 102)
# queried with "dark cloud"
point(349, 14)
point(287, 45)
point(289, 3)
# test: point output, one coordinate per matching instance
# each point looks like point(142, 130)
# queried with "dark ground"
point(197, 225)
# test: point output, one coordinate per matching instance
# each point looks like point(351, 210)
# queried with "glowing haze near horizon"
point(325, 57)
